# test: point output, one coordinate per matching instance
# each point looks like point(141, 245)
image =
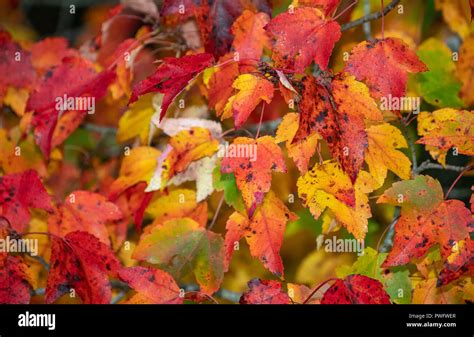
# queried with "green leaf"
point(398, 285)
point(226, 182)
point(438, 86)
point(367, 265)
point(180, 243)
point(397, 282)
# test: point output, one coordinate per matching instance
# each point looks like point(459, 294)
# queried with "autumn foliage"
point(212, 152)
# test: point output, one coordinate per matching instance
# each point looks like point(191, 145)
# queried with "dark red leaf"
point(14, 285)
point(15, 64)
point(172, 77)
point(356, 289)
point(74, 77)
point(18, 193)
point(80, 261)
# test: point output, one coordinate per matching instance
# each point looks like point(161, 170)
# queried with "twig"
point(366, 27)
point(383, 21)
point(390, 230)
point(411, 146)
point(218, 209)
point(427, 165)
point(370, 17)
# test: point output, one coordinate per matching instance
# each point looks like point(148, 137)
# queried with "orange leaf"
point(250, 35)
point(426, 220)
point(84, 211)
point(252, 90)
point(252, 162)
point(263, 232)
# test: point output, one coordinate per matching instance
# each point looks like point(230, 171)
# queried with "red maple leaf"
point(153, 286)
point(356, 289)
point(14, 284)
point(74, 78)
point(81, 262)
point(341, 122)
point(301, 37)
point(18, 193)
point(15, 64)
point(383, 65)
point(172, 77)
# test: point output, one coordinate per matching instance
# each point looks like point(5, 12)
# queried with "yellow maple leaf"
point(138, 166)
point(444, 129)
point(300, 151)
point(326, 186)
point(178, 203)
point(136, 121)
point(382, 154)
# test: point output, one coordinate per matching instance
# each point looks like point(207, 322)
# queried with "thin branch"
point(370, 17)
point(411, 146)
point(366, 27)
point(383, 21)
point(217, 212)
point(428, 165)
point(390, 231)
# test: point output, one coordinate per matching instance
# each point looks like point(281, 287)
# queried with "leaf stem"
point(370, 17)
point(218, 209)
point(345, 9)
point(260, 122)
point(317, 288)
point(457, 179)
